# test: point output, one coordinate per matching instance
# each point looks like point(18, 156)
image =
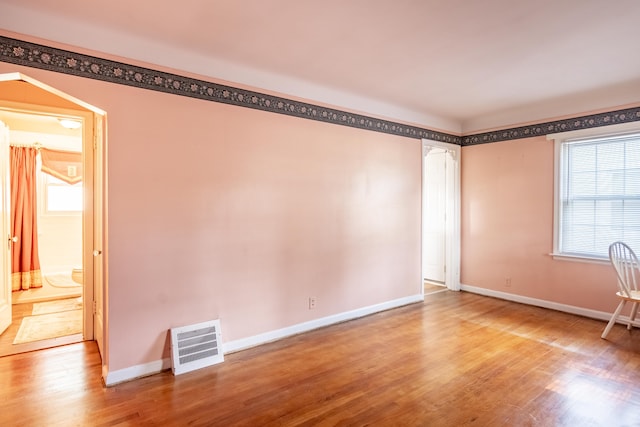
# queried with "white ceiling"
point(455, 65)
point(30, 128)
point(40, 123)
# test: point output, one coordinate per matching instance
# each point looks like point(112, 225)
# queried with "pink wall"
point(217, 211)
point(507, 228)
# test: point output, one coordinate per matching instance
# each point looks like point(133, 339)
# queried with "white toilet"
point(77, 275)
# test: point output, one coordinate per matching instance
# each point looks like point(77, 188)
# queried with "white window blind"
point(599, 194)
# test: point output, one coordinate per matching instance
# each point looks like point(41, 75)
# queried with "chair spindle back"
point(625, 262)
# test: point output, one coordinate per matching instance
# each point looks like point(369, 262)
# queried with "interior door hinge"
point(95, 307)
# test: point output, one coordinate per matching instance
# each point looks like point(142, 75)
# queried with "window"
point(60, 197)
point(597, 194)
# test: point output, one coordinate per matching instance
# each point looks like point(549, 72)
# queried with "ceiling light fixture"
point(69, 123)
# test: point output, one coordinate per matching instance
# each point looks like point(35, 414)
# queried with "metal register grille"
point(195, 346)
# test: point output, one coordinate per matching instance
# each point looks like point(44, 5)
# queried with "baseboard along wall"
point(127, 374)
point(571, 309)
point(138, 371)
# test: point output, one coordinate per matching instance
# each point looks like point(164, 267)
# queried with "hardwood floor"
point(18, 311)
point(458, 359)
point(430, 287)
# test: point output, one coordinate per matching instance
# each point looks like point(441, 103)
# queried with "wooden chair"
point(625, 262)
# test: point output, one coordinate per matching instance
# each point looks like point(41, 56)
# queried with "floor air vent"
point(195, 346)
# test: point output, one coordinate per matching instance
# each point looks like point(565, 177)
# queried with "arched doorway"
point(441, 213)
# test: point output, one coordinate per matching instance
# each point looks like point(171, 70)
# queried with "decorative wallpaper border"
point(63, 61)
point(585, 122)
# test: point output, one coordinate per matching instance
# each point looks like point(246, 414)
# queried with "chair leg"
point(634, 311)
point(613, 319)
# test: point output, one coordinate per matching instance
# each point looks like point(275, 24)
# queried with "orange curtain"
point(64, 165)
point(25, 263)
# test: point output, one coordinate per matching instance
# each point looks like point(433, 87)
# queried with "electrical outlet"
point(312, 303)
point(507, 282)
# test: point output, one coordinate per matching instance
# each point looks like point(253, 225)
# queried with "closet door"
point(434, 228)
point(5, 265)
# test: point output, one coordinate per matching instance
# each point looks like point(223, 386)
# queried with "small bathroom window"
point(61, 197)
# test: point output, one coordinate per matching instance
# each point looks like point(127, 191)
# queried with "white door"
point(434, 234)
point(441, 243)
point(5, 265)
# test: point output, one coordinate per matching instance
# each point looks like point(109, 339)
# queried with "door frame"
point(6, 302)
point(94, 221)
point(452, 220)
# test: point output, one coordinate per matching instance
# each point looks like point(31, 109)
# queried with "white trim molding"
point(452, 226)
point(566, 308)
point(575, 258)
point(245, 343)
point(561, 141)
point(157, 366)
point(134, 372)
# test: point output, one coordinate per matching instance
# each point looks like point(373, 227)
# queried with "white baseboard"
point(138, 371)
point(242, 344)
point(593, 314)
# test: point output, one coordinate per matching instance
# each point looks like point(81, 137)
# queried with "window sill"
point(58, 214)
point(580, 258)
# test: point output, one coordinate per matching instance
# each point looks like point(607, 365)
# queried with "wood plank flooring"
point(458, 359)
point(7, 347)
point(430, 287)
